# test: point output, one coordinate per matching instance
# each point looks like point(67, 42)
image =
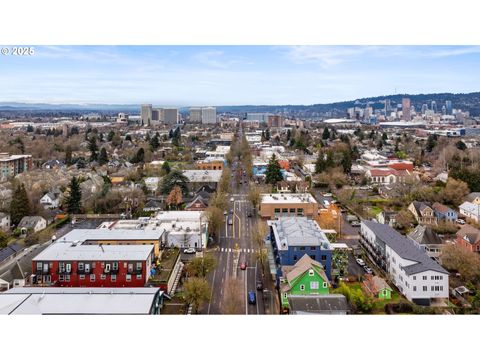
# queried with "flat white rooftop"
point(288, 198)
point(101, 301)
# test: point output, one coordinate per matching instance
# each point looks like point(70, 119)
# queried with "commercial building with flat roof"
point(274, 206)
point(81, 301)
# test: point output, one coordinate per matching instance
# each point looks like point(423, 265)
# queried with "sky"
point(234, 75)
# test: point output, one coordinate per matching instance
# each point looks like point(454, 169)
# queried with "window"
point(87, 267)
point(424, 278)
point(114, 278)
point(313, 248)
point(284, 211)
point(414, 278)
point(432, 287)
point(313, 257)
point(80, 266)
point(39, 266)
point(277, 211)
point(61, 278)
point(325, 285)
point(67, 278)
point(314, 285)
point(302, 248)
point(107, 267)
point(82, 277)
point(441, 288)
point(414, 288)
point(92, 277)
point(130, 268)
point(302, 287)
point(129, 277)
point(68, 267)
point(61, 267)
point(284, 295)
point(384, 292)
point(139, 266)
point(425, 288)
point(294, 257)
point(299, 211)
point(115, 265)
point(139, 277)
point(311, 272)
point(292, 211)
point(324, 257)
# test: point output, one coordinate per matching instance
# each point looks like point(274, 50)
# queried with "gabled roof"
point(470, 208)
point(405, 248)
point(472, 196)
point(302, 266)
point(318, 304)
point(441, 208)
point(420, 206)
point(425, 235)
point(375, 284)
point(469, 233)
point(30, 221)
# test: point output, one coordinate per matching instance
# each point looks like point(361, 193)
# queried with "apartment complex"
point(204, 115)
point(150, 116)
point(12, 165)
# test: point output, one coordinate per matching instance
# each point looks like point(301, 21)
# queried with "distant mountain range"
point(465, 101)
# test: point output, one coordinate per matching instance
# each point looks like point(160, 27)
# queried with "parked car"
point(189, 251)
point(461, 221)
point(360, 262)
point(230, 221)
point(328, 194)
point(355, 223)
point(243, 266)
point(367, 269)
point(259, 285)
point(252, 299)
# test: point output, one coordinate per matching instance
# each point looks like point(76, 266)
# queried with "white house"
point(470, 210)
point(419, 278)
point(152, 183)
point(33, 223)
point(50, 200)
point(4, 222)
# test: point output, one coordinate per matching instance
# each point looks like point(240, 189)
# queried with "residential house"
point(152, 205)
point(387, 217)
point(428, 240)
point(423, 213)
point(470, 210)
point(473, 197)
point(384, 176)
point(444, 213)
point(306, 277)
point(292, 238)
point(51, 200)
point(273, 206)
point(152, 183)
point(197, 204)
point(54, 163)
point(377, 287)
point(9, 252)
point(4, 222)
point(32, 224)
point(418, 277)
point(468, 237)
point(81, 301)
point(17, 273)
point(283, 187)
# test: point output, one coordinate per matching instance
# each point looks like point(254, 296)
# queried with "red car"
point(243, 266)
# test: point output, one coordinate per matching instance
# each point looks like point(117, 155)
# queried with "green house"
point(306, 277)
point(377, 287)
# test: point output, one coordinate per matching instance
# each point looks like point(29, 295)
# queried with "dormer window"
point(311, 272)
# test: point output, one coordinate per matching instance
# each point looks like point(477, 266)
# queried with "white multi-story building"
point(209, 115)
point(419, 278)
point(470, 210)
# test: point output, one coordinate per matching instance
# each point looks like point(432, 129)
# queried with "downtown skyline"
point(234, 75)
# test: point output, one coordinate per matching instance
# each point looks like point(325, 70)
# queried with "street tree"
point(215, 220)
point(74, 198)
point(196, 292)
point(201, 266)
point(254, 196)
point(175, 198)
point(273, 173)
point(258, 233)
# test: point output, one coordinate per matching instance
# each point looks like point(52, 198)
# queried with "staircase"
point(177, 279)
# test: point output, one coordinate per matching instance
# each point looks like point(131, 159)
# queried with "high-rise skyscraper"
point(170, 115)
point(146, 114)
point(406, 108)
point(209, 115)
point(195, 115)
point(434, 106)
point(448, 107)
point(424, 108)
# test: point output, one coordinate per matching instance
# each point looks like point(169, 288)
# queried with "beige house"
point(423, 213)
point(274, 206)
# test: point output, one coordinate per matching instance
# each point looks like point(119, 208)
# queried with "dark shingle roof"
point(8, 251)
point(318, 304)
point(425, 235)
point(405, 248)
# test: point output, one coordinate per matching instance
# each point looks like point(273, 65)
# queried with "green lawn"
point(376, 210)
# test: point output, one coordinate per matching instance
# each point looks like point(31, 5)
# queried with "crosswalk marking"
point(247, 250)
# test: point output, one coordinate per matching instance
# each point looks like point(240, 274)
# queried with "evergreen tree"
point(289, 135)
point(110, 135)
point(103, 157)
point(273, 173)
point(461, 145)
point(93, 148)
point(139, 156)
point(166, 167)
point(128, 137)
point(68, 156)
point(326, 134)
point(154, 142)
point(20, 205)
point(431, 143)
point(267, 134)
point(321, 164)
point(170, 134)
point(74, 198)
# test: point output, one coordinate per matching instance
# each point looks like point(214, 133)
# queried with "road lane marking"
point(211, 294)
